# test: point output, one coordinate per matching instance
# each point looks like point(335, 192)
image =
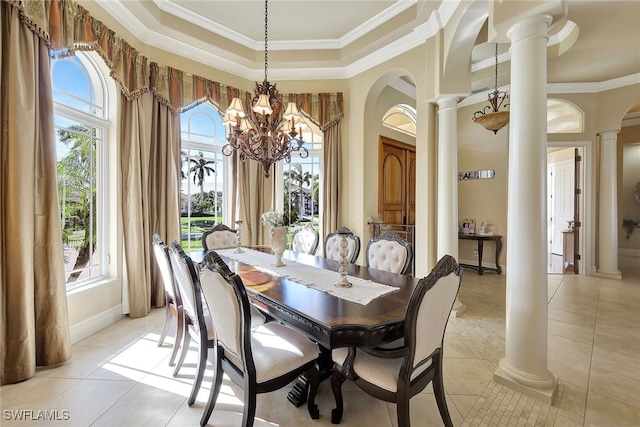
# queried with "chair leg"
point(337, 379)
point(404, 416)
point(183, 351)
point(441, 400)
point(313, 375)
point(250, 399)
point(167, 321)
point(179, 332)
point(215, 388)
point(202, 363)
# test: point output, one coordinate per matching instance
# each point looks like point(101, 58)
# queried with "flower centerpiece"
point(278, 240)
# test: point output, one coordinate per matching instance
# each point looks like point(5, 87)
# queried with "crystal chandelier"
point(494, 120)
point(262, 132)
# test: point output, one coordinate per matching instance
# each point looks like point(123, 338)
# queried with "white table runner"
point(361, 292)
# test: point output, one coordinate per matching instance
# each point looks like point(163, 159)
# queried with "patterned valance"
point(181, 91)
point(66, 27)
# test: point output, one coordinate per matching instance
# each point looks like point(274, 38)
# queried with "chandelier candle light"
point(495, 119)
point(264, 133)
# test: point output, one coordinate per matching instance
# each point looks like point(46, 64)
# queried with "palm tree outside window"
point(203, 186)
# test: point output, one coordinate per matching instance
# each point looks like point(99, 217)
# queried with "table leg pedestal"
point(298, 394)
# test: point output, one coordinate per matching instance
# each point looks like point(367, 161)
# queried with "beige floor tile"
point(573, 307)
point(572, 318)
point(569, 348)
point(616, 362)
point(423, 410)
point(466, 376)
point(33, 393)
point(455, 347)
point(603, 411)
point(565, 422)
point(463, 403)
point(615, 385)
point(567, 330)
point(588, 300)
point(624, 340)
point(573, 402)
point(143, 405)
point(86, 359)
point(87, 400)
point(615, 314)
point(569, 370)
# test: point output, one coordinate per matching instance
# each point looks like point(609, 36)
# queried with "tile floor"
point(120, 377)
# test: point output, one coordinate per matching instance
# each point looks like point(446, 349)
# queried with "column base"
point(542, 389)
point(609, 274)
point(458, 308)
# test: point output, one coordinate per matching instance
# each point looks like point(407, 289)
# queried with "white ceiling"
point(314, 39)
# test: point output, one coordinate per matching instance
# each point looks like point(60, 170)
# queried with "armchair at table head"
point(389, 252)
point(397, 374)
point(332, 245)
point(219, 237)
point(173, 302)
point(260, 359)
point(305, 240)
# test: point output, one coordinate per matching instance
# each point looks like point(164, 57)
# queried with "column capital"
point(609, 134)
point(447, 102)
point(528, 27)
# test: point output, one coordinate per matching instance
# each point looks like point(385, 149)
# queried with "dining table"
point(303, 295)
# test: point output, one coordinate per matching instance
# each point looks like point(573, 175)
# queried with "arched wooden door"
point(396, 182)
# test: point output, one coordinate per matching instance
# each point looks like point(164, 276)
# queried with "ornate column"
point(447, 240)
point(524, 366)
point(608, 207)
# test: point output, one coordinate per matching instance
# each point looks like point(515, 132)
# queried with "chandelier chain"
point(266, 34)
point(496, 65)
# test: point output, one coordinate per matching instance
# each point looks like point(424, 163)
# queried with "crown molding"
point(174, 8)
point(594, 87)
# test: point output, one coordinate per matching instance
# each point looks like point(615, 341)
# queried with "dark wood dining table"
point(331, 321)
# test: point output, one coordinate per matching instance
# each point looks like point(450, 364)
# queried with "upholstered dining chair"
point(197, 317)
point(305, 240)
point(261, 359)
point(197, 320)
point(173, 302)
point(219, 237)
point(332, 245)
point(397, 374)
point(389, 252)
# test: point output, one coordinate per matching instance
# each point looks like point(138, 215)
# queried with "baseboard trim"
point(629, 252)
point(87, 327)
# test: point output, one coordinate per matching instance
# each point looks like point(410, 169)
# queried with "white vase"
point(278, 244)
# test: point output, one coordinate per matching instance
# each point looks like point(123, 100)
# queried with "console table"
point(481, 239)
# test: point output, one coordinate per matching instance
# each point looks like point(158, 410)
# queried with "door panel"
point(396, 185)
point(562, 203)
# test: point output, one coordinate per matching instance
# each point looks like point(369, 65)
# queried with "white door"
point(562, 187)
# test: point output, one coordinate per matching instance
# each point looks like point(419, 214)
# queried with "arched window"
point(81, 125)
point(302, 181)
point(401, 118)
point(203, 191)
point(564, 117)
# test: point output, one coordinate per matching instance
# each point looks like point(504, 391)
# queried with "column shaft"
point(447, 239)
point(608, 207)
point(525, 364)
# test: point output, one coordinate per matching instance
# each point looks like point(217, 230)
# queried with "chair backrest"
point(188, 284)
point(305, 240)
point(429, 309)
point(161, 253)
point(219, 237)
point(226, 296)
point(389, 252)
point(332, 245)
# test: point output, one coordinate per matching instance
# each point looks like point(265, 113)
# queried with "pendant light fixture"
point(494, 119)
point(263, 132)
